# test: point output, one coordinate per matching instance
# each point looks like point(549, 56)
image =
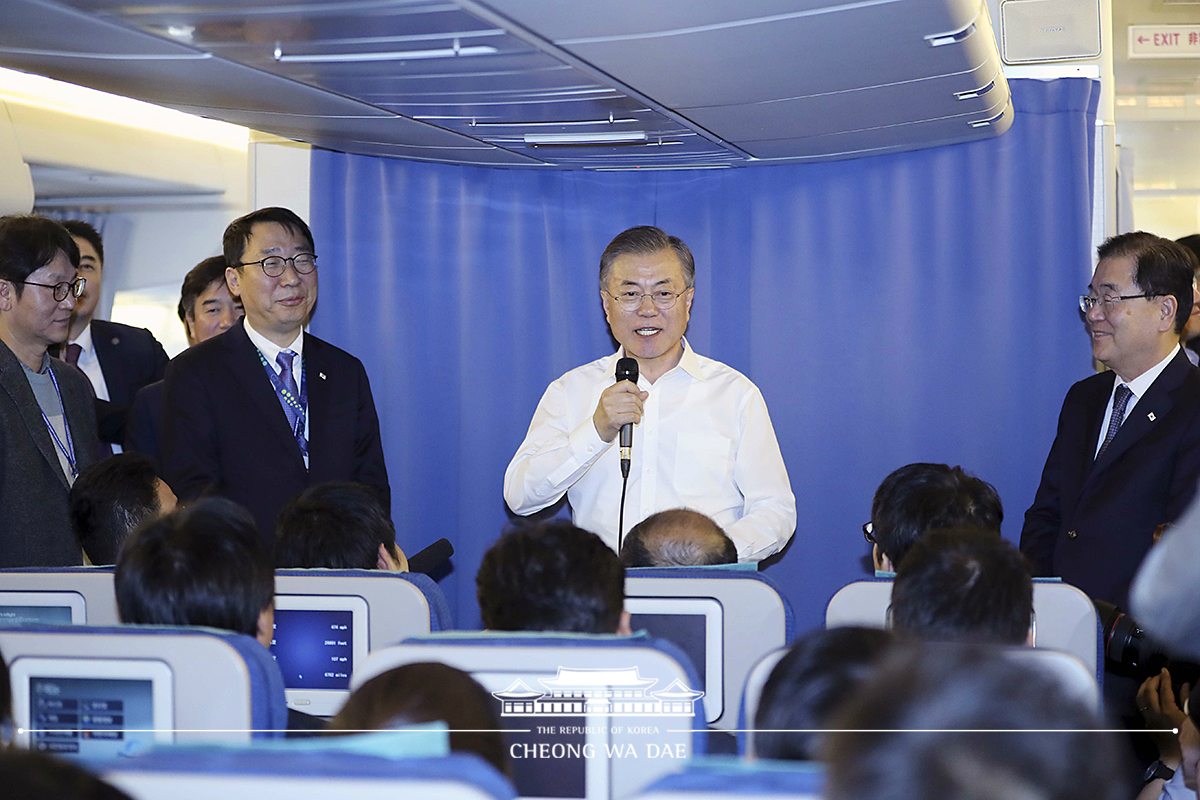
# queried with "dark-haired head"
point(237, 235)
point(809, 684)
point(429, 692)
point(921, 497)
point(1162, 268)
point(336, 526)
point(964, 585)
point(112, 497)
point(551, 576)
point(901, 736)
point(203, 564)
point(30, 775)
point(204, 286)
point(29, 242)
point(84, 230)
point(678, 537)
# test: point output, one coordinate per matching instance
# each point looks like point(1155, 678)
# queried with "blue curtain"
point(909, 307)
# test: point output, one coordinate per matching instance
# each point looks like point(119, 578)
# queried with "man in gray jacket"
point(47, 420)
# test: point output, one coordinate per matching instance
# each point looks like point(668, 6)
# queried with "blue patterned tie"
point(291, 398)
point(1120, 400)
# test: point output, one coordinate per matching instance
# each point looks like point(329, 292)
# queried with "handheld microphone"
point(433, 556)
point(627, 370)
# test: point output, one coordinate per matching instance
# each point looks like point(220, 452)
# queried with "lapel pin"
point(1151, 416)
point(322, 374)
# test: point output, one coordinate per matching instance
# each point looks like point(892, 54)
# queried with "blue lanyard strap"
point(69, 450)
point(299, 404)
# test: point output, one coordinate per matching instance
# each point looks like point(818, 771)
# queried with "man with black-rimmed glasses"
point(1126, 458)
point(265, 410)
point(47, 420)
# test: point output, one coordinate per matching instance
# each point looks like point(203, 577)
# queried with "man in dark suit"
point(265, 410)
point(1126, 458)
point(118, 359)
point(47, 423)
point(206, 309)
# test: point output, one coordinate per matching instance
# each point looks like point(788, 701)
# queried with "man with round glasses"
point(1126, 458)
point(47, 420)
point(703, 438)
point(265, 410)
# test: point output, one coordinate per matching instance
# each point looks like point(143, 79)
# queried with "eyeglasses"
point(61, 290)
point(1087, 302)
point(869, 532)
point(272, 266)
point(631, 300)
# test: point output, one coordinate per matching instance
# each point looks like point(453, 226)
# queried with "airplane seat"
point(751, 695)
point(188, 668)
point(93, 585)
point(1066, 618)
point(744, 615)
point(622, 710)
point(189, 773)
point(413, 603)
point(728, 778)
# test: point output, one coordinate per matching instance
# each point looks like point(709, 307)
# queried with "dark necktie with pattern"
point(1120, 400)
point(290, 397)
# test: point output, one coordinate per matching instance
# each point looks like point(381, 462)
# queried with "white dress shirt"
point(705, 442)
point(90, 364)
point(1138, 386)
point(271, 351)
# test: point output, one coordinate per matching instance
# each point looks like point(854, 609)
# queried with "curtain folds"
point(909, 307)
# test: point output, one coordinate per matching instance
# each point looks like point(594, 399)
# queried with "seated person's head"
point(337, 526)
point(552, 577)
point(1026, 735)
point(922, 497)
point(203, 564)
point(429, 692)
point(1189, 743)
point(111, 498)
point(679, 537)
point(5, 704)
point(810, 684)
point(964, 585)
point(30, 775)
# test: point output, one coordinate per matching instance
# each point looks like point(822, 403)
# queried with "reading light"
point(603, 137)
point(391, 55)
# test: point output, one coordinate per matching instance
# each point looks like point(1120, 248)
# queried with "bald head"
point(679, 537)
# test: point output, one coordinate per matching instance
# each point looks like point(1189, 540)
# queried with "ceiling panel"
point(694, 83)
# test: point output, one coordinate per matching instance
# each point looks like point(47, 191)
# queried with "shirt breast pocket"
point(703, 465)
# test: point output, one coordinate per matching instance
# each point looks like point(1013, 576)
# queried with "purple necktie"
point(1120, 400)
point(291, 398)
point(72, 354)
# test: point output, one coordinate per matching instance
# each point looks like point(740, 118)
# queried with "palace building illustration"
point(597, 692)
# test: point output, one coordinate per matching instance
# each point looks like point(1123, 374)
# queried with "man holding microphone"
point(704, 439)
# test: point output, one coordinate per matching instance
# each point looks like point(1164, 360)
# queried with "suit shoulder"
point(107, 327)
point(331, 354)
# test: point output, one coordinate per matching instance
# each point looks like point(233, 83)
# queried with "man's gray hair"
point(644, 240)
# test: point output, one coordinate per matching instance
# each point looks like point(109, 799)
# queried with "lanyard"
point(69, 450)
point(301, 404)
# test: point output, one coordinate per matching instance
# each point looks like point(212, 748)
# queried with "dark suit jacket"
point(143, 428)
point(130, 358)
point(1091, 522)
point(225, 432)
point(34, 528)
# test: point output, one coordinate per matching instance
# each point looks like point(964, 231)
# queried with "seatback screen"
point(34, 615)
point(314, 648)
point(91, 717)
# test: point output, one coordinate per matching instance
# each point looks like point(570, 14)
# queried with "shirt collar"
point(689, 362)
point(1142, 382)
point(269, 349)
point(84, 340)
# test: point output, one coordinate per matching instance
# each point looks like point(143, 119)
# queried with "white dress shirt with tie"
point(270, 351)
point(705, 442)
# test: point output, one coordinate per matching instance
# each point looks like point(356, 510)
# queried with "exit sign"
point(1164, 41)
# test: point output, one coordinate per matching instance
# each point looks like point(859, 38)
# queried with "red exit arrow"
point(1142, 40)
